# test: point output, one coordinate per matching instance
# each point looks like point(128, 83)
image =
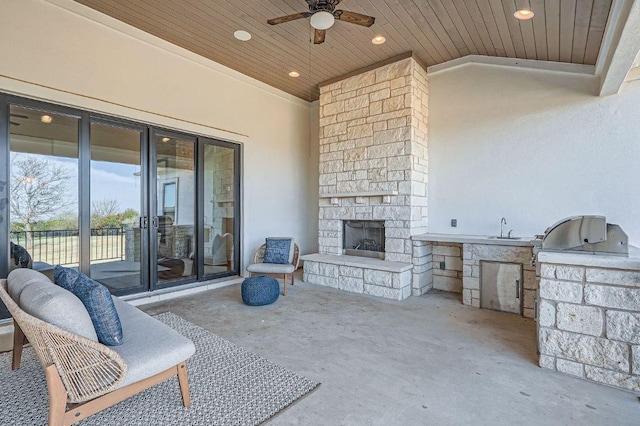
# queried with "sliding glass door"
point(173, 197)
point(136, 207)
point(220, 190)
point(118, 225)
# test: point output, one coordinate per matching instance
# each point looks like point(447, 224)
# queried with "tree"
point(105, 207)
point(106, 214)
point(66, 220)
point(38, 189)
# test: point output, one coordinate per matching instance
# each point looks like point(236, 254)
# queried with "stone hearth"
point(373, 166)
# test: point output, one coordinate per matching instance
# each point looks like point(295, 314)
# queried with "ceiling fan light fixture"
point(46, 119)
point(524, 14)
point(322, 20)
point(378, 39)
point(294, 74)
point(242, 35)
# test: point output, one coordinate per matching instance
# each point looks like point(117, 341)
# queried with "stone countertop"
point(596, 260)
point(476, 239)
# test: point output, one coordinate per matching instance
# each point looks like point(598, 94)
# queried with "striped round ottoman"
point(260, 290)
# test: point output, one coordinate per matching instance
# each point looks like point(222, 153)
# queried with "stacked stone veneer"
point(447, 277)
point(474, 253)
point(422, 273)
point(373, 140)
point(373, 137)
point(391, 280)
point(590, 323)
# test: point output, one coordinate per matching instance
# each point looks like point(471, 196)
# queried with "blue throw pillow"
point(277, 250)
point(96, 299)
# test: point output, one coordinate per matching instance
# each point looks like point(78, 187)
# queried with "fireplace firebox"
point(363, 238)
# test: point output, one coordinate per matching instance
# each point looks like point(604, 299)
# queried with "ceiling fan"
point(323, 14)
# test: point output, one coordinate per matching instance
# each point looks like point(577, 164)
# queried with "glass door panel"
point(44, 189)
point(175, 208)
point(219, 209)
point(117, 182)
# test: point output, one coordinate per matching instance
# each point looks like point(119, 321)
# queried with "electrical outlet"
point(454, 223)
point(442, 265)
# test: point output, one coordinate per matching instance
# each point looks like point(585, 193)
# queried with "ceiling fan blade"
point(18, 115)
point(318, 36)
point(354, 18)
point(287, 18)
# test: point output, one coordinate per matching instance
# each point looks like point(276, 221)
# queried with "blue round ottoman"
point(260, 290)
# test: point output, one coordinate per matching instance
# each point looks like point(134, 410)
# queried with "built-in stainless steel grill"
point(586, 235)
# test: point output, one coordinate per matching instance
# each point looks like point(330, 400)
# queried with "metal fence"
point(62, 247)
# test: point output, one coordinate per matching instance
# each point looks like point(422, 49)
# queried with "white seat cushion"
point(149, 347)
point(271, 268)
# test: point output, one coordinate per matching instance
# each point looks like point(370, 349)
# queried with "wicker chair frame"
point(258, 257)
point(81, 374)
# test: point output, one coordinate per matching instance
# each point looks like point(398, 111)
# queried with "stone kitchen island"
point(454, 263)
point(589, 320)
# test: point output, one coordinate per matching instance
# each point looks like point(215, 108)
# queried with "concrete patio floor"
point(425, 361)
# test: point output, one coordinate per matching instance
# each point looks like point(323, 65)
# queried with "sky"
point(109, 181)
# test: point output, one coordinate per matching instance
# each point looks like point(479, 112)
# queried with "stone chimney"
point(373, 155)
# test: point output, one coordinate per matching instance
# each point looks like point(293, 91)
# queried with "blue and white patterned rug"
point(229, 386)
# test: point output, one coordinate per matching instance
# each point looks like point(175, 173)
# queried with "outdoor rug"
point(229, 386)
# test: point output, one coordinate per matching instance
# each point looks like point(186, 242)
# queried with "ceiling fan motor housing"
point(322, 5)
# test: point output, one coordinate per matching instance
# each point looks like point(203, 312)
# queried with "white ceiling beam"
point(620, 46)
point(513, 62)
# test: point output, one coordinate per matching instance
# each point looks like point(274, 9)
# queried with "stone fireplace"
point(363, 238)
point(373, 167)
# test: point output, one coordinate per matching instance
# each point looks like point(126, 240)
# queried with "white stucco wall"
point(531, 146)
point(65, 53)
point(313, 174)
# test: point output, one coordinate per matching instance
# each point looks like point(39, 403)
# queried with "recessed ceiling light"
point(524, 14)
point(46, 119)
point(165, 139)
point(294, 74)
point(242, 35)
point(378, 39)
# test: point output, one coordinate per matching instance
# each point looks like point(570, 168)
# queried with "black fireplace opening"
point(363, 238)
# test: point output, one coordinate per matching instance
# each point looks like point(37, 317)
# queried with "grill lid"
point(586, 233)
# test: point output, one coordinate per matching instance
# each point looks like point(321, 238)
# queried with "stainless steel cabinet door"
point(501, 286)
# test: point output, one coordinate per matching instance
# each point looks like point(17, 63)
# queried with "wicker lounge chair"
point(284, 271)
point(84, 376)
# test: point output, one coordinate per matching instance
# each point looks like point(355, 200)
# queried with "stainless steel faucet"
point(503, 221)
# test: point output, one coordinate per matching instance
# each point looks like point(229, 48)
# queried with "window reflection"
point(175, 208)
point(44, 189)
point(116, 239)
point(219, 195)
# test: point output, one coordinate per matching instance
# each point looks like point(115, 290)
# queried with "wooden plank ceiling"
point(435, 30)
